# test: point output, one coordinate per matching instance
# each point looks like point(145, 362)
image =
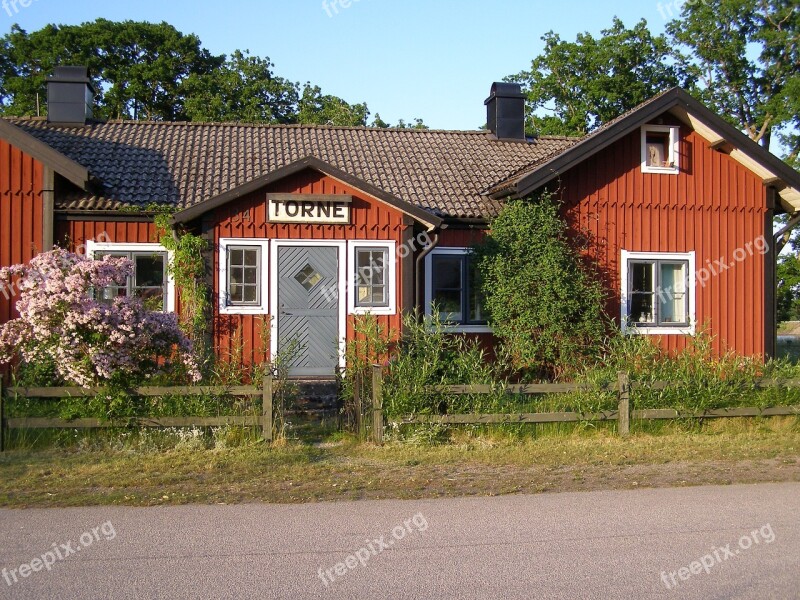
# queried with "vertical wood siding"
point(246, 337)
point(21, 181)
point(714, 207)
point(74, 234)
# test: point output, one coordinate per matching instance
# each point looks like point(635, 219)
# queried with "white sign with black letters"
point(309, 208)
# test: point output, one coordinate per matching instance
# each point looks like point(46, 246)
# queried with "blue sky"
point(405, 58)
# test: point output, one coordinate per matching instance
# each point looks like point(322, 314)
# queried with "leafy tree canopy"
point(574, 87)
point(152, 71)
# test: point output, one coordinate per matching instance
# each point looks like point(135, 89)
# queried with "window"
point(244, 285)
point(372, 277)
point(660, 149)
point(453, 286)
point(150, 280)
point(371, 290)
point(657, 293)
point(242, 277)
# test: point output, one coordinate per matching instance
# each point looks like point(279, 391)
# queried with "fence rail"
point(622, 415)
point(264, 421)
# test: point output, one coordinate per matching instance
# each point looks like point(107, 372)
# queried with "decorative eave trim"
point(58, 162)
point(428, 219)
point(706, 123)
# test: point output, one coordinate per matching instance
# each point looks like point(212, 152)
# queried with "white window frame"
point(447, 251)
point(391, 274)
point(691, 304)
point(225, 308)
point(674, 149)
point(93, 247)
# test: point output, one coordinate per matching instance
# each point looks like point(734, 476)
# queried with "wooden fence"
point(622, 415)
point(264, 421)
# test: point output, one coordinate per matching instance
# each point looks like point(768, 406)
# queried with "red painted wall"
point(713, 207)
point(21, 181)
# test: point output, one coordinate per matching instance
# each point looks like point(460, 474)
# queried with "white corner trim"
point(341, 247)
point(391, 276)
point(452, 251)
point(93, 246)
point(674, 149)
point(224, 307)
point(690, 292)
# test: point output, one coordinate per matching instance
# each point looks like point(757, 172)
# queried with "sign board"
point(327, 209)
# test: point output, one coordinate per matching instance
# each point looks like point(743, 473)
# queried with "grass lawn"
point(335, 468)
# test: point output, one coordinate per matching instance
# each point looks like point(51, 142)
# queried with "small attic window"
point(660, 149)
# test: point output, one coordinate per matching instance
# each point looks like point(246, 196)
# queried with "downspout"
point(428, 249)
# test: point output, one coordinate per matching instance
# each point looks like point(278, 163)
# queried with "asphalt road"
point(744, 541)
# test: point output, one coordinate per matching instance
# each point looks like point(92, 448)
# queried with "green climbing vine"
point(187, 268)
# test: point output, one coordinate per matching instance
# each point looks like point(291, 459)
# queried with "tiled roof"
point(138, 163)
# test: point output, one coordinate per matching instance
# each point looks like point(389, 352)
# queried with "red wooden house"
point(310, 225)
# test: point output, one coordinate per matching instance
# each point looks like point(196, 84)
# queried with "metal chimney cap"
point(71, 74)
point(502, 89)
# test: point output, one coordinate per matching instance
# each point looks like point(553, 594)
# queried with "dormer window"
point(660, 149)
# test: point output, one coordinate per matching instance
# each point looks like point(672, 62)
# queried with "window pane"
point(475, 309)
point(673, 277)
point(250, 295)
point(449, 303)
point(641, 308)
point(657, 154)
point(642, 277)
point(250, 275)
point(378, 295)
point(447, 272)
point(251, 257)
point(236, 257)
point(152, 298)
point(149, 270)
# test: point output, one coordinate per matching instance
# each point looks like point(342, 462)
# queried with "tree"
point(574, 87)
point(139, 68)
point(745, 57)
point(317, 109)
point(401, 124)
point(244, 88)
point(541, 300)
point(788, 295)
point(152, 71)
point(85, 341)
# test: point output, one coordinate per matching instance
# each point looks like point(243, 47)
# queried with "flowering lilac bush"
point(87, 341)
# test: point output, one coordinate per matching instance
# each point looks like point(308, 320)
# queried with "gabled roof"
point(316, 164)
point(58, 162)
point(445, 173)
point(713, 128)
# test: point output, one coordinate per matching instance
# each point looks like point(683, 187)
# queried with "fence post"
point(624, 395)
point(358, 408)
point(377, 404)
point(266, 408)
point(2, 418)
